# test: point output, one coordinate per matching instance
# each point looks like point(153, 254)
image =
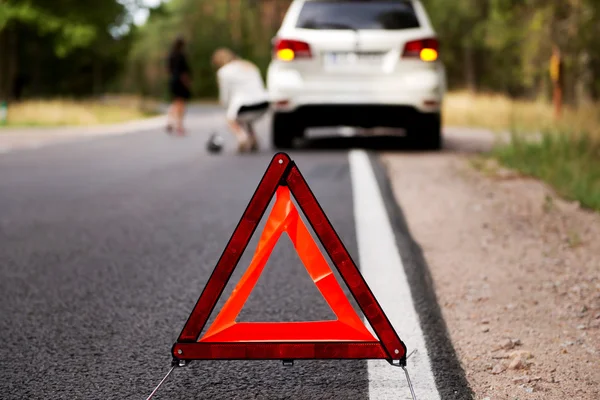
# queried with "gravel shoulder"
point(516, 273)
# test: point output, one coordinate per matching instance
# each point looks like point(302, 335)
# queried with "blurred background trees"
point(505, 45)
point(61, 47)
point(76, 48)
point(246, 26)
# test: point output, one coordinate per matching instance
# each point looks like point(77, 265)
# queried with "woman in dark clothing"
point(179, 86)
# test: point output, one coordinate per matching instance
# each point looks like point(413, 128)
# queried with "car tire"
point(285, 127)
point(428, 131)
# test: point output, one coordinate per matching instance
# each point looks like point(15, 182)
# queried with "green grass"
point(61, 112)
point(570, 163)
point(567, 161)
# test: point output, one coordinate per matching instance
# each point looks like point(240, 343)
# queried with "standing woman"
point(179, 86)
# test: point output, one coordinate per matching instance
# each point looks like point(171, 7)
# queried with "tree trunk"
point(13, 62)
point(3, 65)
point(584, 80)
point(36, 80)
point(97, 76)
point(8, 62)
point(275, 15)
point(469, 66)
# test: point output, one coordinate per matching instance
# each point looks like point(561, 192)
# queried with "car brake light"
point(425, 49)
point(288, 50)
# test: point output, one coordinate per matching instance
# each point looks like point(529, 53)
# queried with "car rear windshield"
point(358, 14)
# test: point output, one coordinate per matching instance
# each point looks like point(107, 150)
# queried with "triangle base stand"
point(410, 386)
point(161, 383)
point(286, 363)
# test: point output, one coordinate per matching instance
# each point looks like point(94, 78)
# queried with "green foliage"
point(206, 24)
point(569, 163)
point(493, 45)
point(508, 44)
point(61, 47)
point(71, 27)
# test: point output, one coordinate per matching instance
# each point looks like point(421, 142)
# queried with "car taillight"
point(424, 49)
point(288, 50)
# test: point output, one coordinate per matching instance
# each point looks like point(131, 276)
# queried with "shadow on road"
point(379, 143)
point(454, 142)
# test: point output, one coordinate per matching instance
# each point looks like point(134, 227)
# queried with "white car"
point(356, 63)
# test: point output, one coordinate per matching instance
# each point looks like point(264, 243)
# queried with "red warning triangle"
point(348, 327)
point(344, 338)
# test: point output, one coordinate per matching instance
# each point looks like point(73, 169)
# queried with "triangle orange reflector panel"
point(349, 327)
point(344, 338)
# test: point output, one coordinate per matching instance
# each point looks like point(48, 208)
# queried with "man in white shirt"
point(242, 92)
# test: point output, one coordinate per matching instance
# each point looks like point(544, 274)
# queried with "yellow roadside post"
point(556, 74)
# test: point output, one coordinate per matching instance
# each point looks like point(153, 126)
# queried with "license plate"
point(342, 59)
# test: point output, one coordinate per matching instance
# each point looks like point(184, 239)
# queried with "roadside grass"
point(486, 165)
point(499, 113)
point(568, 162)
point(67, 112)
point(563, 153)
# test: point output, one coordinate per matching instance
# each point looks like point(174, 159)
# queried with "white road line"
point(382, 268)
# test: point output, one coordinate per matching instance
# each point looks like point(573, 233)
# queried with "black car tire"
point(428, 131)
point(285, 127)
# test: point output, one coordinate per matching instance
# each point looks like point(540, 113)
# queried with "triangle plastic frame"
point(282, 171)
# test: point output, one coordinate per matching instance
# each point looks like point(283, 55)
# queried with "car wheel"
point(428, 131)
point(285, 128)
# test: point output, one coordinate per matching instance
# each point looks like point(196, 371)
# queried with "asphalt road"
point(105, 246)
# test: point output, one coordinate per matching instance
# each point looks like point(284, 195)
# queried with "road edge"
point(450, 377)
point(27, 138)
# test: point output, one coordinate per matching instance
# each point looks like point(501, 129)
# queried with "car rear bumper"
point(287, 102)
point(422, 90)
point(357, 115)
